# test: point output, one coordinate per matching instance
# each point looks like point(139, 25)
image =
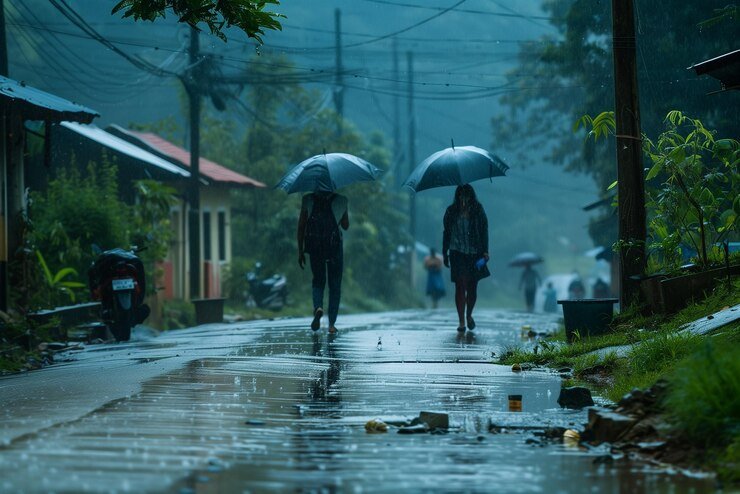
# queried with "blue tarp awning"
point(34, 104)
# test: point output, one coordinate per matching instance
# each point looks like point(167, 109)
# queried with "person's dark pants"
point(466, 294)
point(327, 270)
point(529, 298)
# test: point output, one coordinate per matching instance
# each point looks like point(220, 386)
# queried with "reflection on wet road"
point(272, 406)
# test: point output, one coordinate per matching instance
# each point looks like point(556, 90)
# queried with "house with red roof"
point(215, 217)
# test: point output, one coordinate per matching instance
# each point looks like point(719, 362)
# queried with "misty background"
point(461, 60)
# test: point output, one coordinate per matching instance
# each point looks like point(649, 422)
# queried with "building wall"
point(215, 247)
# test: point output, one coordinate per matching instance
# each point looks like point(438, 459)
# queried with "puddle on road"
point(287, 413)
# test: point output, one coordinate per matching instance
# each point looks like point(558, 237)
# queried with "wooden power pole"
point(412, 162)
point(192, 85)
point(338, 79)
point(631, 188)
point(397, 153)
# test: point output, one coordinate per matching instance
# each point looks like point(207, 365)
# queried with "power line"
point(401, 31)
point(512, 13)
point(77, 20)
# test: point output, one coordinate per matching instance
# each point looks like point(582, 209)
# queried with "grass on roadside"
point(703, 401)
point(704, 388)
point(657, 345)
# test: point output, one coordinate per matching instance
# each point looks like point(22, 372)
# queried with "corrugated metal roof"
point(725, 67)
point(117, 144)
point(35, 104)
point(208, 169)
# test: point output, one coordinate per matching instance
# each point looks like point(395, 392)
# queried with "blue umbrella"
point(328, 172)
point(455, 166)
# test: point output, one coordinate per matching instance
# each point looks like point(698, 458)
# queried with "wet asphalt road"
point(271, 406)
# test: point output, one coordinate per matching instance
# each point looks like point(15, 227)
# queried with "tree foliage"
point(577, 65)
point(692, 187)
point(248, 15)
point(563, 76)
point(78, 210)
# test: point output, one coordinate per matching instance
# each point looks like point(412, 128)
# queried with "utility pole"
point(412, 163)
point(338, 79)
point(631, 187)
point(3, 42)
point(397, 153)
point(3, 178)
point(192, 85)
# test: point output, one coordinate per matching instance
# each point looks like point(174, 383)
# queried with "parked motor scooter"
point(267, 293)
point(116, 279)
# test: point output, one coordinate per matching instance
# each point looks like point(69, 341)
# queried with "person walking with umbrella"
point(319, 236)
point(465, 251)
point(465, 238)
point(530, 280)
point(323, 213)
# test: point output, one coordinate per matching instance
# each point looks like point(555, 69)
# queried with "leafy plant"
point(693, 186)
point(698, 193)
point(150, 225)
point(55, 283)
point(77, 210)
point(248, 15)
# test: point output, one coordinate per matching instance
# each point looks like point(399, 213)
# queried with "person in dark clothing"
point(530, 280)
point(465, 250)
point(319, 236)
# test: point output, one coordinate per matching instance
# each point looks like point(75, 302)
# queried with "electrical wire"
point(77, 20)
point(512, 13)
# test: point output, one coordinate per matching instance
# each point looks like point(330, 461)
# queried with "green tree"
point(248, 15)
point(561, 77)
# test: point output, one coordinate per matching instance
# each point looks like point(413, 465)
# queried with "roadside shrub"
point(178, 314)
point(661, 352)
point(704, 397)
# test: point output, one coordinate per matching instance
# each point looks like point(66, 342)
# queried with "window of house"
point(207, 235)
point(222, 235)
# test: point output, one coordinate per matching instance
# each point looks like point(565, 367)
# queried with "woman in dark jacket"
point(465, 250)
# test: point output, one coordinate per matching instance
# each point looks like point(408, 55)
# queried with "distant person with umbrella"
point(465, 251)
point(435, 283)
point(323, 213)
point(576, 289)
point(530, 278)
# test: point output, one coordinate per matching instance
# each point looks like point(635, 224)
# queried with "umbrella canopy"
point(525, 259)
point(328, 172)
point(455, 166)
point(600, 253)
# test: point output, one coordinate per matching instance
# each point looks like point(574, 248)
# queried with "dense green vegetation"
point(692, 190)
point(578, 65)
point(703, 400)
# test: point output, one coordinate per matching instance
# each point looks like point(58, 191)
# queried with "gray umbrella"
point(328, 172)
point(455, 166)
point(525, 259)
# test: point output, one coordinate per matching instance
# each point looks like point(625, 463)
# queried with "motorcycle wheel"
point(121, 330)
